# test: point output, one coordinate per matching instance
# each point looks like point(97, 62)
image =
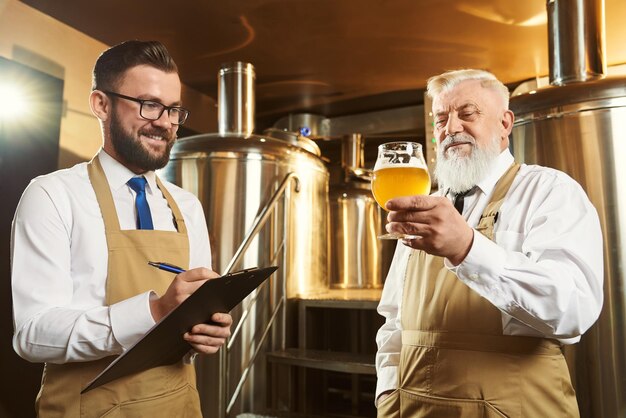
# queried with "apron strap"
point(490, 214)
point(107, 206)
point(178, 216)
point(103, 194)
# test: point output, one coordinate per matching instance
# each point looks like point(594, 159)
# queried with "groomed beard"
point(458, 172)
point(130, 149)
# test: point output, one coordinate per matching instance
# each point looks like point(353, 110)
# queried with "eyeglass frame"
point(163, 107)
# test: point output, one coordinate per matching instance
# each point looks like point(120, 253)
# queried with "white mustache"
point(457, 139)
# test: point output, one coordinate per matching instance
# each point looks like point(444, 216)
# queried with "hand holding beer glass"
point(400, 170)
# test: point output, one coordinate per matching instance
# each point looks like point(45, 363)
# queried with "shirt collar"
point(117, 174)
point(500, 165)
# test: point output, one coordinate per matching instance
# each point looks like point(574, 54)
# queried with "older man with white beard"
point(478, 307)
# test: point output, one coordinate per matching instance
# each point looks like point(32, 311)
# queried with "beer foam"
point(414, 162)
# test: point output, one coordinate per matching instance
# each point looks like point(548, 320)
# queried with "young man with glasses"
point(83, 291)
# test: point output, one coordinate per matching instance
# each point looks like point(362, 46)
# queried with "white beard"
point(459, 173)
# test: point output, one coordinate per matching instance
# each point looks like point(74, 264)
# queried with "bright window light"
point(13, 102)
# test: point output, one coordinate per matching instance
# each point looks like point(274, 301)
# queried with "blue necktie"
point(144, 219)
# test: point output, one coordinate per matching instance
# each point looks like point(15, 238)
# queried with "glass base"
point(398, 236)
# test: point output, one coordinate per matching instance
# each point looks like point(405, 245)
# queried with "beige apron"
point(456, 363)
point(168, 391)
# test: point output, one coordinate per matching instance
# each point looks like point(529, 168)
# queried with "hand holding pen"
point(181, 287)
point(166, 266)
point(204, 338)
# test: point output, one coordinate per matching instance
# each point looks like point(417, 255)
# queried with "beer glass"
point(400, 170)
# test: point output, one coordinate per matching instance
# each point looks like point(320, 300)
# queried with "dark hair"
point(115, 61)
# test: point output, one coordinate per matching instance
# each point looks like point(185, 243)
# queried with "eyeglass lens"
point(153, 111)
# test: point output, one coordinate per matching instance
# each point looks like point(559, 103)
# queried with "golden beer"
point(390, 182)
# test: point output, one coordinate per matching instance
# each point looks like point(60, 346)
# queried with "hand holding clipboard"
point(204, 338)
point(221, 294)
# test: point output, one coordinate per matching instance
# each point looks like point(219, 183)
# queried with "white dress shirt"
point(59, 263)
point(543, 271)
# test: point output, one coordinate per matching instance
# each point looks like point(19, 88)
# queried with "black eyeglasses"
point(151, 110)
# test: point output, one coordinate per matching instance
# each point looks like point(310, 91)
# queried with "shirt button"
point(473, 277)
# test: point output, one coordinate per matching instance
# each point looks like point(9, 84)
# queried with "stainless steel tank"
point(580, 128)
point(266, 203)
point(359, 260)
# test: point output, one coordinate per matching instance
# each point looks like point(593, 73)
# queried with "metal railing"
point(260, 220)
point(258, 223)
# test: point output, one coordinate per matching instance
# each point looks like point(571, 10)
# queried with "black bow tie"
point(460, 197)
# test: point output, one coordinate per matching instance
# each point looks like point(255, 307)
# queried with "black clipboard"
point(163, 343)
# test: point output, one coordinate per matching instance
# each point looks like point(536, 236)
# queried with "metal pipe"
point(283, 282)
point(352, 151)
point(244, 374)
point(258, 223)
point(279, 307)
point(576, 35)
point(250, 305)
point(244, 316)
point(222, 394)
point(235, 95)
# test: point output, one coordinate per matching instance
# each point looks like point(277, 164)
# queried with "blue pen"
point(166, 266)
